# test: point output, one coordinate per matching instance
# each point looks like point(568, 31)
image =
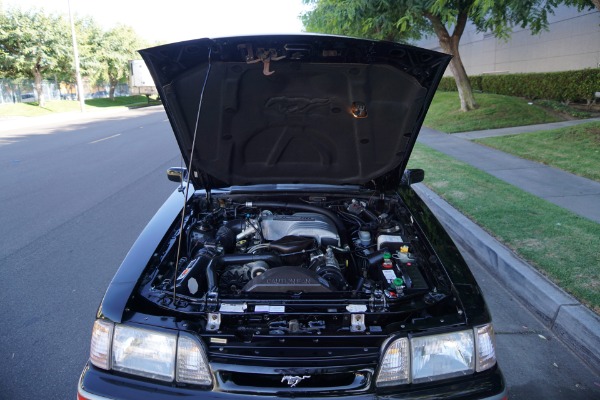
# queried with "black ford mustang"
point(294, 259)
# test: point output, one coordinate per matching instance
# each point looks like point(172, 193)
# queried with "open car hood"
point(295, 108)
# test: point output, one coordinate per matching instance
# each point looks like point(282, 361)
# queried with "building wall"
point(571, 42)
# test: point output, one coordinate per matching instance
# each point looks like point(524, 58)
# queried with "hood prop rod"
point(190, 171)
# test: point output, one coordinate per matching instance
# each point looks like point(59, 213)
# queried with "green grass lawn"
point(575, 149)
point(58, 106)
point(495, 111)
point(562, 245)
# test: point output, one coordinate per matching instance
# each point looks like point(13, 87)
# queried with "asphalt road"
point(73, 199)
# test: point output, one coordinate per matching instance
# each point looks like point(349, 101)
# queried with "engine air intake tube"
point(307, 207)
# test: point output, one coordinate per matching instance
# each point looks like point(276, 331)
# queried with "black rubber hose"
point(217, 262)
point(358, 286)
point(307, 207)
point(369, 214)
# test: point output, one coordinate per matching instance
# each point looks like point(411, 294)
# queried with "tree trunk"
point(37, 79)
point(113, 85)
point(597, 4)
point(463, 83)
point(449, 44)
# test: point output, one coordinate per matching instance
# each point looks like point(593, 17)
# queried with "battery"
point(387, 272)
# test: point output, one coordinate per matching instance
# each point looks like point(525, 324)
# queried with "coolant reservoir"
point(365, 238)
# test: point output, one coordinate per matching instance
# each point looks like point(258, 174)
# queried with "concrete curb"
point(575, 324)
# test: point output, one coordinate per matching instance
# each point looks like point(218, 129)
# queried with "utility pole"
point(76, 56)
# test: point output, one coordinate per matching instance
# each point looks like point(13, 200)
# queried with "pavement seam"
point(560, 306)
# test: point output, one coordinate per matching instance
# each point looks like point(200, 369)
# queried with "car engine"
point(317, 247)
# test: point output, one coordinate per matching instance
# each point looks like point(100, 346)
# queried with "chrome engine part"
point(313, 225)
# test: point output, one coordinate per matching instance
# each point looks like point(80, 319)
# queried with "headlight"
point(150, 353)
point(435, 357)
point(442, 356)
point(144, 352)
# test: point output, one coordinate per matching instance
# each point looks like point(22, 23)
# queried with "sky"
point(177, 20)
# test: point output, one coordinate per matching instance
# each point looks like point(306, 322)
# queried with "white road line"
point(106, 138)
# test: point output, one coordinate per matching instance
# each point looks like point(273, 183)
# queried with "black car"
point(294, 259)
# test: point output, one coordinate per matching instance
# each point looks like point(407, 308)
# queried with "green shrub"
point(565, 86)
point(560, 107)
point(447, 84)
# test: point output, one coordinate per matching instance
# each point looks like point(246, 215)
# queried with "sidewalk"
point(574, 323)
point(575, 193)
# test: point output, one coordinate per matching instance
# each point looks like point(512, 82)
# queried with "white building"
point(572, 42)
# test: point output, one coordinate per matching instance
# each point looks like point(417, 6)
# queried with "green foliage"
point(565, 86)
point(377, 19)
point(89, 44)
point(563, 108)
point(119, 45)
point(33, 42)
point(400, 19)
point(584, 4)
point(447, 84)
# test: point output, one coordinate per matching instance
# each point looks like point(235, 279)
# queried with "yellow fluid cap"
point(404, 249)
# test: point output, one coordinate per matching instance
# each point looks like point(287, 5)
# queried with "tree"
point(582, 4)
point(447, 19)
point(119, 46)
point(89, 44)
point(33, 44)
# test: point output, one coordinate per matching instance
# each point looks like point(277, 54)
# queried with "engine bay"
point(311, 256)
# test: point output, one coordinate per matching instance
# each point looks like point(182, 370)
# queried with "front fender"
point(123, 283)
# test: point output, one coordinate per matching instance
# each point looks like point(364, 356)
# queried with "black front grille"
point(278, 381)
point(295, 381)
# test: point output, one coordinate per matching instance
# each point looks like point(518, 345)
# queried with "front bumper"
point(96, 384)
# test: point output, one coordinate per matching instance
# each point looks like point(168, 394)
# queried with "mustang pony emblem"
point(294, 380)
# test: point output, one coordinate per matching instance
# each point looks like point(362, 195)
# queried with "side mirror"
point(411, 176)
point(177, 174)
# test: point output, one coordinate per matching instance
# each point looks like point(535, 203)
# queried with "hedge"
point(565, 86)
